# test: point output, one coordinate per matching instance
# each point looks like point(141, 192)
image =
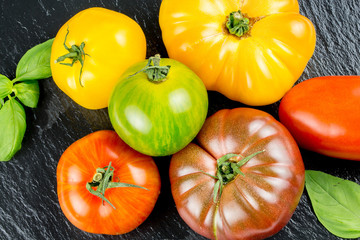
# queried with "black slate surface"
point(28, 204)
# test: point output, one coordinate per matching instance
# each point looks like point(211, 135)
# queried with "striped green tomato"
point(158, 106)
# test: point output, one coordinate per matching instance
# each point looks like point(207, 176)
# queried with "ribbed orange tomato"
point(251, 51)
point(102, 164)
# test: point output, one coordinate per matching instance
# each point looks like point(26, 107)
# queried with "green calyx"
point(76, 53)
point(154, 71)
point(237, 24)
point(102, 180)
point(228, 167)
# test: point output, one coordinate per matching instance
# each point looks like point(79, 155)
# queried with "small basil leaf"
point(28, 93)
point(12, 128)
point(35, 64)
point(336, 203)
point(5, 86)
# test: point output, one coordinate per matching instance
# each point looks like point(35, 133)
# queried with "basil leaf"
point(336, 203)
point(35, 64)
point(12, 128)
point(28, 93)
point(5, 86)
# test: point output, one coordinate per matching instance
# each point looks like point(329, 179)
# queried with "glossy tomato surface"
point(257, 68)
point(158, 118)
point(254, 206)
point(112, 42)
point(323, 115)
point(76, 168)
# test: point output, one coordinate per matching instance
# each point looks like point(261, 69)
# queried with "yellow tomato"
point(101, 44)
point(258, 62)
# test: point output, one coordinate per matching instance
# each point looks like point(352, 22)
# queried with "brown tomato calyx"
point(75, 53)
point(155, 73)
point(102, 180)
point(228, 167)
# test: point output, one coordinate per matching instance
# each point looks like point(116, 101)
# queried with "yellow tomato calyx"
point(238, 24)
point(76, 53)
point(154, 71)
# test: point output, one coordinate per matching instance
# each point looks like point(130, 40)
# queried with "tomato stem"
point(228, 167)
point(76, 53)
point(237, 24)
point(102, 179)
point(154, 71)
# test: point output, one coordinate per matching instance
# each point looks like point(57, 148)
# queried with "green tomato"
point(158, 106)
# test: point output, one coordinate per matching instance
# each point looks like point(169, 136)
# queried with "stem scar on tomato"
point(76, 53)
point(228, 167)
point(102, 179)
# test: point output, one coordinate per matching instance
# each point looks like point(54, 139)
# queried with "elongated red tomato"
point(243, 180)
point(89, 161)
point(323, 115)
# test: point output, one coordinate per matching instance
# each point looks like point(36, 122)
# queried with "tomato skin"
point(323, 115)
point(113, 42)
point(257, 69)
point(158, 119)
point(77, 166)
point(254, 206)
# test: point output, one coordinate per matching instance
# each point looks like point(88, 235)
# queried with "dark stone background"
point(28, 203)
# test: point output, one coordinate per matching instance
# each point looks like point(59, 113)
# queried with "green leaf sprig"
point(24, 88)
point(336, 203)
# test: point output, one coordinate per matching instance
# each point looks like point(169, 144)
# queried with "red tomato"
point(131, 205)
point(255, 205)
point(323, 115)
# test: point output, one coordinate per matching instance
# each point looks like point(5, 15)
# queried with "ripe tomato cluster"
point(239, 173)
